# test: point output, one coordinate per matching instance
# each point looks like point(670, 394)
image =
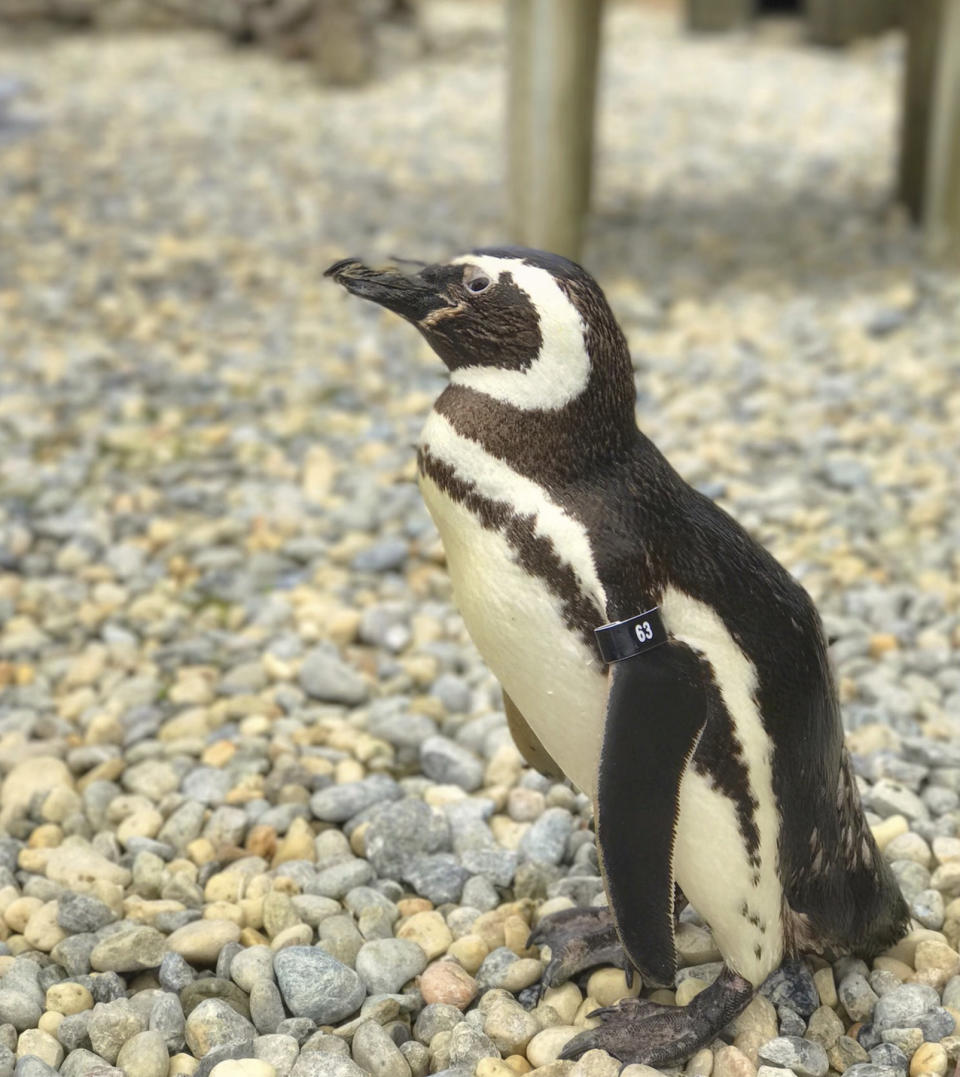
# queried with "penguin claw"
point(578, 939)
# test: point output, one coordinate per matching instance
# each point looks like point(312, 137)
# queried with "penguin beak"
point(406, 294)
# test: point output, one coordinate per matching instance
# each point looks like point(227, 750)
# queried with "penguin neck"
point(555, 447)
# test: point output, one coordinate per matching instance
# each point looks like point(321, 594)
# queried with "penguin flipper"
point(656, 711)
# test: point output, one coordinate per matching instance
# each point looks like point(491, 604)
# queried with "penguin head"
point(523, 327)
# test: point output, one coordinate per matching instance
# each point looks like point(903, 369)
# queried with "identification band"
point(624, 639)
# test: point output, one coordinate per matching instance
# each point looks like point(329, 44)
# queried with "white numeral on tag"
point(643, 631)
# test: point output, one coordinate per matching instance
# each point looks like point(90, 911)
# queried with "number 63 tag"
point(623, 639)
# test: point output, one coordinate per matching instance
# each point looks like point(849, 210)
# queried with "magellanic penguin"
point(706, 730)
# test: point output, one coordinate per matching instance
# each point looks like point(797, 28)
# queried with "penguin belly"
point(518, 627)
point(737, 891)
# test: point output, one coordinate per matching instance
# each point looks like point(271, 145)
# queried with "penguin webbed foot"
point(638, 1030)
point(579, 939)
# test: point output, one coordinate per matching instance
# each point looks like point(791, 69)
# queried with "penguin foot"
point(578, 939)
point(638, 1030)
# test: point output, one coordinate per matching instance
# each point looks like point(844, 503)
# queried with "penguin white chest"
point(516, 621)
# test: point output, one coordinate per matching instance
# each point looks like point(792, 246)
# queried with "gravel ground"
point(260, 811)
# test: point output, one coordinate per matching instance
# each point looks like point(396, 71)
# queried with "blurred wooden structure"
point(553, 48)
point(553, 58)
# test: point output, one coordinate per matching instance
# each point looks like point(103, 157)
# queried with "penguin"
point(648, 648)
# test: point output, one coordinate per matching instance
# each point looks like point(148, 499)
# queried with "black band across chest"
point(624, 639)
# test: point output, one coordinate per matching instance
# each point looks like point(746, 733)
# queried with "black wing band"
point(624, 639)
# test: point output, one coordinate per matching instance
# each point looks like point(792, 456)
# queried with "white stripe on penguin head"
point(561, 369)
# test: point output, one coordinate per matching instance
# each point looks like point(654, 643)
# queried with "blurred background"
point(197, 427)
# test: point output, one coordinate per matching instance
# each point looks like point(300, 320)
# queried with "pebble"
point(215, 1023)
point(144, 1055)
point(374, 1051)
point(315, 985)
point(385, 965)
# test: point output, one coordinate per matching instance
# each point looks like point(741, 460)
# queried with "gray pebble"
point(468, 1045)
point(480, 893)
point(337, 803)
point(280, 1051)
point(215, 1023)
point(31, 1066)
point(315, 985)
point(857, 996)
point(74, 1030)
point(222, 1053)
point(336, 880)
point(792, 985)
point(111, 1025)
point(325, 676)
point(436, 1017)
point(321, 1064)
point(266, 1006)
point(438, 877)
point(166, 1017)
point(410, 827)
point(20, 1010)
point(385, 965)
point(387, 555)
point(446, 762)
point(375, 1051)
point(888, 1054)
point(546, 840)
point(251, 965)
point(297, 1028)
point(174, 973)
point(78, 913)
point(804, 1057)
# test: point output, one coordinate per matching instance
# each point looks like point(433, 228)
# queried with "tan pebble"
point(438, 795)
point(68, 998)
point(906, 948)
point(882, 643)
point(50, 1022)
point(295, 935)
point(522, 973)
point(596, 1063)
point(251, 937)
point(297, 843)
point(946, 848)
point(582, 1017)
point(946, 878)
point(219, 753)
point(446, 981)
point(429, 931)
point(928, 1058)
point(546, 1045)
point(252, 909)
point(552, 905)
point(695, 945)
point(348, 770)
point(35, 1041)
point(637, 1069)
point(826, 986)
point(494, 1067)
point(560, 1067)
point(664, 996)
point(262, 841)
point(608, 985)
point(60, 802)
point(732, 1062)
point(36, 861)
point(565, 999)
point(504, 766)
point(469, 950)
point(42, 930)
point(29, 778)
point(548, 1016)
point(508, 833)
point(518, 1064)
point(201, 851)
point(224, 885)
point(183, 1065)
point(201, 941)
point(700, 1064)
point(935, 962)
point(47, 836)
point(224, 910)
point(688, 989)
point(900, 969)
point(19, 912)
point(358, 839)
point(243, 1067)
point(891, 827)
point(516, 931)
point(411, 906)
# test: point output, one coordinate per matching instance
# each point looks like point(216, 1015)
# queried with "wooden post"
point(838, 22)
point(930, 134)
point(553, 51)
point(712, 15)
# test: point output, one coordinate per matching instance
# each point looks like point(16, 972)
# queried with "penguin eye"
point(478, 285)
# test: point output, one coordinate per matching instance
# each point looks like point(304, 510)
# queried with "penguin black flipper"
point(656, 711)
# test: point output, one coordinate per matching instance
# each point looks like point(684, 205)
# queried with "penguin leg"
point(638, 1030)
point(578, 939)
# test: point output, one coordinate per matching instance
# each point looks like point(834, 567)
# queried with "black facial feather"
point(499, 328)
